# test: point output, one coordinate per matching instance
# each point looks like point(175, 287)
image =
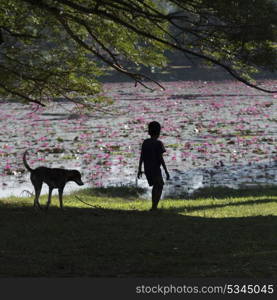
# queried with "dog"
point(54, 178)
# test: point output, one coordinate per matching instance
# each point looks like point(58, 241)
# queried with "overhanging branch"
point(100, 11)
point(16, 93)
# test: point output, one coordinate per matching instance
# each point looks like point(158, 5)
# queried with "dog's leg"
point(61, 197)
point(37, 186)
point(49, 198)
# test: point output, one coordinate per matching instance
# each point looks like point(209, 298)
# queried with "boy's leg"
point(156, 195)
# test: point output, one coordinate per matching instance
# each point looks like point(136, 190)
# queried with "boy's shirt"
point(152, 151)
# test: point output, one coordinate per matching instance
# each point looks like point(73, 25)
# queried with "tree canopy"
point(53, 48)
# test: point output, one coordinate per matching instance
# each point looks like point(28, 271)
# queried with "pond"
point(215, 133)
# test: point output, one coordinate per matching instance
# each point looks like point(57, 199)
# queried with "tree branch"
point(16, 93)
point(140, 32)
point(182, 49)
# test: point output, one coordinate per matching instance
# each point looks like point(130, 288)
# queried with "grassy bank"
point(219, 235)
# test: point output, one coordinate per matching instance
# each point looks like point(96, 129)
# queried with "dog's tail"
point(25, 162)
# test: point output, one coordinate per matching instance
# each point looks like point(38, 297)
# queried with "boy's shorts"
point(155, 180)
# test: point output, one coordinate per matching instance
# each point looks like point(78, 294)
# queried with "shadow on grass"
point(223, 205)
point(117, 243)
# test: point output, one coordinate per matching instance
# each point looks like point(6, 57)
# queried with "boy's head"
point(154, 128)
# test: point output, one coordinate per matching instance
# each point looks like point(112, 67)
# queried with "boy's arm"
point(165, 169)
point(140, 165)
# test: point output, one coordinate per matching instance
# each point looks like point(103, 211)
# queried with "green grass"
point(212, 235)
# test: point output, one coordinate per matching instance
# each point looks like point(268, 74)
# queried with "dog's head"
point(75, 175)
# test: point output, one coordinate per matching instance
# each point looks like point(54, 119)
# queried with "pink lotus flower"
point(7, 167)
point(44, 145)
point(41, 159)
point(187, 145)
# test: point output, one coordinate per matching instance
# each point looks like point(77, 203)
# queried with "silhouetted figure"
point(152, 157)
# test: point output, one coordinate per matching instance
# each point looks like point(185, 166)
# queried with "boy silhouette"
point(152, 157)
